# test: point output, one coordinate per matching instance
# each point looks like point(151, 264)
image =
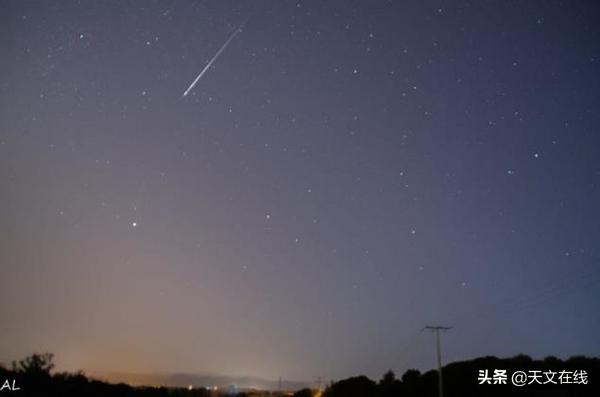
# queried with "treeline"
point(33, 377)
point(577, 376)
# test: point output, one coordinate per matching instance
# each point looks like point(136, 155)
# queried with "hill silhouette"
point(184, 379)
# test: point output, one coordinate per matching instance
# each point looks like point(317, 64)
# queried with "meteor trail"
point(208, 65)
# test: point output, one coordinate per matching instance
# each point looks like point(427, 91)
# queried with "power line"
point(437, 329)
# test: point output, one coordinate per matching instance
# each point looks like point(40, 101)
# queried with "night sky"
point(342, 175)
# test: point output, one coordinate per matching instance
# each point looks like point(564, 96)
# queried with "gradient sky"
point(344, 174)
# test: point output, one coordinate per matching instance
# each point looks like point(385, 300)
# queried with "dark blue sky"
point(344, 174)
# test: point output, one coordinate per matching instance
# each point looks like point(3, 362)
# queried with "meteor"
point(214, 58)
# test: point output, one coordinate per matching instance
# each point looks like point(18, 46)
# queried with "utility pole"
point(319, 382)
point(437, 329)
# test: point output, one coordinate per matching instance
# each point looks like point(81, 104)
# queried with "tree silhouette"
point(389, 386)
point(36, 364)
point(358, 386)
point(411, 382)
point(304, 393)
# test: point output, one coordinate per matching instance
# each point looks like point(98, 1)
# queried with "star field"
point(342, 175)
